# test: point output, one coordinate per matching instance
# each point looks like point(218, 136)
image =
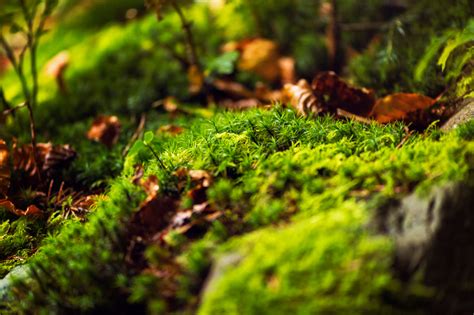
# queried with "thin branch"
point(138, 132)
point(186, 25)
point(12, 110)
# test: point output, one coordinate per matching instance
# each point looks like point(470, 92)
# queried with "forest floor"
point(155, 199)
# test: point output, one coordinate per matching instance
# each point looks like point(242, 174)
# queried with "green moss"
point(309, 178)
point(318, 265)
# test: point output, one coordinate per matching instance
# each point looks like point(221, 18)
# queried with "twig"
point(333, 33)
point(363, 27)
point(408, 133)
point(136, 134)
point(346, 114)
point(12, 110)
point(190, 44)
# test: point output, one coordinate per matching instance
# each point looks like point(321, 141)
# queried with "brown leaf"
point(138, 174)
point(105, 129)
point(195, 221)
point(23, 157)
point(155, 211)
point(332, 92)
point(57, 159)
point(32, 210)
point(171, 129)
point(56, 67)
point(4, 168)
point(242, 104)
point(150, 186)
point(287, 70)
point(301, 97)
point(232, 88)
point(201, 177)
point(260, 56)
point(200, 180)
point(196, 79)
point(400, 106)
point(52, 159)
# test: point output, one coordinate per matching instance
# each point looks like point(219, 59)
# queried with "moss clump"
point(308, 178)
point(327, 263)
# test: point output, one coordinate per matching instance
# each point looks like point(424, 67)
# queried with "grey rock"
point(219, 267)
point(434, 237)
point(18, 272)
point(465, 114)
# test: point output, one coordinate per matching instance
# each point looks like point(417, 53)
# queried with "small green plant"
point(27, 18)
point(455, 51)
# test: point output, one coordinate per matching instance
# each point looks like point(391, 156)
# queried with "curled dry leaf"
point(105, 129)
point(301, 97)
point(400, 106)
point(52, 159)
point(58, 158)
point(32, 210)
point(332, 92)
point(23, 157)
point(191, 222)
point(4, 168)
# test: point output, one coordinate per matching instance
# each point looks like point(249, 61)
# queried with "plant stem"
point(156, 156)
point(190, 44)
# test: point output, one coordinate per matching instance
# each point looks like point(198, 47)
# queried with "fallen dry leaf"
point(52, 159)
point(105, 129)
point(200, 180)
point(58, 158)
point(191, 222)
point(287, 70)
point(32, 210)
point(23, 157)
point(232, 88)
point(56, 67)
point(171, 129)
point(242, 104)
point(196, 79)
point(400, 106)
point(4, 168)
point(301, 97)
point(260, 56)
point(332, 92)
point(155, 211)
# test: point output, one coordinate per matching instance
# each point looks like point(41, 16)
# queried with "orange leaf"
point(32, 210)
point(196, 79)
point(105, 129)
point(171, 129)
point(260, 56)
point(399, 105)
point(4, 168)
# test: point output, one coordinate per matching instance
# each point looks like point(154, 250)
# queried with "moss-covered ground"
point(295, 196)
